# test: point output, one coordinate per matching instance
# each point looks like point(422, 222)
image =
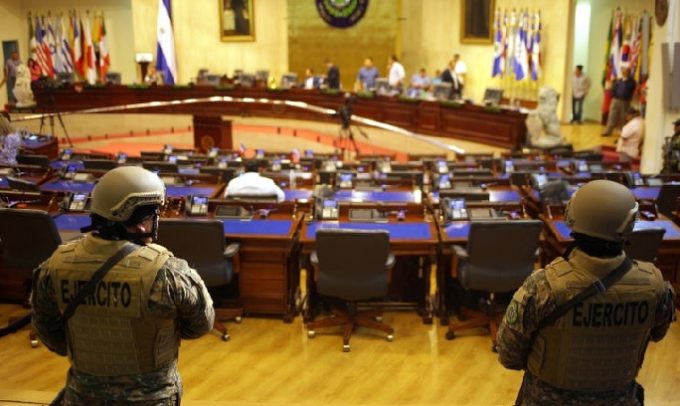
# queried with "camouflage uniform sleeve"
point(180, 292)
point(46, 318)
point(665, 313)
point(530, 304)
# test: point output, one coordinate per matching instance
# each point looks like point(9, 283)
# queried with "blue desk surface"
point(71, 222)
point(61, 164)
point(3, 182)
point(646, 192)
point(294, 194)
point(376, 196)
point(181, 191)
point(458, 229)
point(61, 185)
point(398, 231)
point(82, 187)
point(672, 231)
point(256, 227)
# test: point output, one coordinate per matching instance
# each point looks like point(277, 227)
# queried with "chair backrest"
point(28, 238)
point(352, 263)
point(667, 200)
point(201, 243)
point(644, 244)
point(38, 160)
point(104, 164)
point(253, 198)
point(554, 192)
point(501, 254)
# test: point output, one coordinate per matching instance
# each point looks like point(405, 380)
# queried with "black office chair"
point(500, 255)
point(202, 244)
point(644, 244)
point(100, 164)
point(28, 238)
point(667, 200)
point(352, 265)
point(41, 161)
point(555, 192)
point(469, 194)
point(245, 197)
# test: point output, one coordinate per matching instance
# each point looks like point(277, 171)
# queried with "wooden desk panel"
point(502, 128)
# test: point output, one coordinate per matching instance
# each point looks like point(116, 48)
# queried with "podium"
point(212, 132)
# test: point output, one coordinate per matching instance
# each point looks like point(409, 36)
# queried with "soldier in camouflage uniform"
point(590, 355)
point(123, 339)
point(671, 153)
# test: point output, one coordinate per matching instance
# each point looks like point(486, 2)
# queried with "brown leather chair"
point(499, 256)
point(202, 244)
point(28, 238)
point(352, 265)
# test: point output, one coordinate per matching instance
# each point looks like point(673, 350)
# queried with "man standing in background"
point(11, 75)
point(367, 75)
point(580, 84)
point(397, 73)
point(332, 76)
point(622, 92)
point(460, 70)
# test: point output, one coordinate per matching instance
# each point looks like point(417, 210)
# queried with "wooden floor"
point(268, 362)
point(80, 127)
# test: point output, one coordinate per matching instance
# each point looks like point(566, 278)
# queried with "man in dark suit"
point(333, 75)
point(449, 76)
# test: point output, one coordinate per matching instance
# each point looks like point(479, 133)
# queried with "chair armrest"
point(314, 259)
point(231, 250)
point(390, 261)
point(460, 252)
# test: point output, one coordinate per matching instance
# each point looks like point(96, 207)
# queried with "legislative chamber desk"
point(413, 241)
point(267, 269)
point(557, 238)
point(493, 126)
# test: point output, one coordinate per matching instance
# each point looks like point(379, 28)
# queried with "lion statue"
point(22, 87)
point(542, 123)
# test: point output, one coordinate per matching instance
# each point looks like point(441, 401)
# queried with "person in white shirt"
point(460, 69)
point(311, 81)
point(397, 73)
point(632, 134)
point(580, 84)
point(251, 183)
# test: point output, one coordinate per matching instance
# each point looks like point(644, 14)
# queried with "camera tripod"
point(51, 124)
point(346, 133)
point(49, 89)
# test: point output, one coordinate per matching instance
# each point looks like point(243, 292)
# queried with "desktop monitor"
point(382, 86)
point(289, 80)
point(492, 96)
point(211, 79)
point(442, 91)
point(160, 166)
point(247, 80)
point(113, 78)
point(262, 75)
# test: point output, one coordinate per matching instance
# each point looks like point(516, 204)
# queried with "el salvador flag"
point(165, 53)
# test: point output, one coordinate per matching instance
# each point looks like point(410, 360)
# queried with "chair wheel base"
point(450, 335)
point(311, 333)
point(226, 337)
point(238, 319)
point(34, 343)
point(345, 348)
point(378, 318)
point(390, 337)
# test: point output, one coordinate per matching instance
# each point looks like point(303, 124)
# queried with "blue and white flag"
point(521, 66)
point(165, 52)
point(535, 48)
point(499, 47)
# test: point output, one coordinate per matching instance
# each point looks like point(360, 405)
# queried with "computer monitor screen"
point(442, 91)
point(330, 203)
point(493, 96)
point(289, 80)
point(457, 204)
point(382, 86)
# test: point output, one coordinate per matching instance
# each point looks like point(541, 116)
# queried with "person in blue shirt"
point(420, 83)
point(623, 90)
point(367, 75)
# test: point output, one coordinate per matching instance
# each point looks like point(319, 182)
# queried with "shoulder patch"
point(511, 313)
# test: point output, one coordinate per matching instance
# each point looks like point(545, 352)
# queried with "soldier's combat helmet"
point(602, 209)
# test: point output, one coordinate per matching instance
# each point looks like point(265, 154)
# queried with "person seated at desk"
point(632, 134)
point(251, 183)
point(311, 81)
point(420, 83)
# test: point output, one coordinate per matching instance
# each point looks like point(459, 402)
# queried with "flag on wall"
point(89, 70)
point(42, 50)
point(165, 51)
point(65, 45)
point(628, 43)
point(499, 47)
point(517, 45)
point(104, 59)
point(78, 46)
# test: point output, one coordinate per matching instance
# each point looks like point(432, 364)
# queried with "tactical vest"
point(599, 344)
point(113, 332)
